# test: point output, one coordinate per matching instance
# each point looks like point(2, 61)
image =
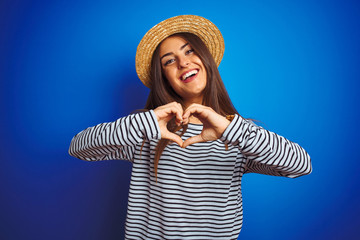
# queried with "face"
point(183, 69)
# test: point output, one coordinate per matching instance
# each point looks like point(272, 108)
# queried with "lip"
point(190, 78)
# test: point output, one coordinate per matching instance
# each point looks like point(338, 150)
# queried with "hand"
point(164, 114)
point(214, 124)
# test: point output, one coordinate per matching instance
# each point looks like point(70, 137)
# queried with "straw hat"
point(199, 26)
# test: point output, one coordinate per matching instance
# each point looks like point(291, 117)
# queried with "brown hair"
point(161, 93)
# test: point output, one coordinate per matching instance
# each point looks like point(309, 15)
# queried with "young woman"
point(190, 147)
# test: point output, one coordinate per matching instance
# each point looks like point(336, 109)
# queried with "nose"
point(183, 62)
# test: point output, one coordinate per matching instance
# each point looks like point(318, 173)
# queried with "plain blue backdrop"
point(67, 65)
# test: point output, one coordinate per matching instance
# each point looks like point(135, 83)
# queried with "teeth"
point(185, 76)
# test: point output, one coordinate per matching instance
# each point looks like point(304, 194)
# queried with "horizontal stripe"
point(197, 193)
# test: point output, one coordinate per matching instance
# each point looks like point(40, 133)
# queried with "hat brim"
point(197, 25)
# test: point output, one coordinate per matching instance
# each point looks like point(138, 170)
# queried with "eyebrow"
point(170, 53)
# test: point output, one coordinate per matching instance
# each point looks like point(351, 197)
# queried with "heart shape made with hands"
point(213, 124)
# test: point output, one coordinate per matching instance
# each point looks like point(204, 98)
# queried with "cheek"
point(170, 76)
point(198, 60)
point(205, 76)
point(167, 75)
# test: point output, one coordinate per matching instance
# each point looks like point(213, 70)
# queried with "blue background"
point(67, 65)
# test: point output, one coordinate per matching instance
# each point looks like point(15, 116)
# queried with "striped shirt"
point(197, 194)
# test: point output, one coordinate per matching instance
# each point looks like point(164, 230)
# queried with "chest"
point(198, 161)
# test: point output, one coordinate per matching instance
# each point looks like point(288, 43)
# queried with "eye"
point(169, 62)
point(189, 51)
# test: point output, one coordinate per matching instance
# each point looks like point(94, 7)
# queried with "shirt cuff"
point(151, 125)
point(234, 131)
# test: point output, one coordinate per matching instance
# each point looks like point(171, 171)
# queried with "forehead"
point(172, 44)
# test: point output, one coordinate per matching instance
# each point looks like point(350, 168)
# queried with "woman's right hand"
point(164, 114)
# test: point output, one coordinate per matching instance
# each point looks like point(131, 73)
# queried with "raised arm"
point(267, 152)
point(115, 140)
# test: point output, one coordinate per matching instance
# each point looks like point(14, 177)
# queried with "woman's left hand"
point(214, 124)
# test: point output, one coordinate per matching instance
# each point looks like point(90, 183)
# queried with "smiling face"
point(183, 69)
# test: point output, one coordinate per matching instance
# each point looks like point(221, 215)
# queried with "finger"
point(175, 138)
point(168, 111)
point(175, 109)
point(179, 115)
point(197, 110)
point(187, 113)
point(192, 140)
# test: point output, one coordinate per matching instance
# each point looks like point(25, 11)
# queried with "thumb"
point(173, 137)
point(192, 140)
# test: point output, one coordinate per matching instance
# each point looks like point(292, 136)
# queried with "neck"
point(194, 120)
point(188, 102)
point(197, 100)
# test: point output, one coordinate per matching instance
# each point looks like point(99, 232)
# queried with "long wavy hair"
point(161, 93)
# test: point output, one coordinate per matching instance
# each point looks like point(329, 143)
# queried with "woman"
point(190, 148)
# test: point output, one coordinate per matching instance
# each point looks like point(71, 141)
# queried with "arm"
point(267, 152)
point(115, 140)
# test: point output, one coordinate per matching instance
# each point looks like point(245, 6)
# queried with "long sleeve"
point(267, 152)
point(115, 140)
